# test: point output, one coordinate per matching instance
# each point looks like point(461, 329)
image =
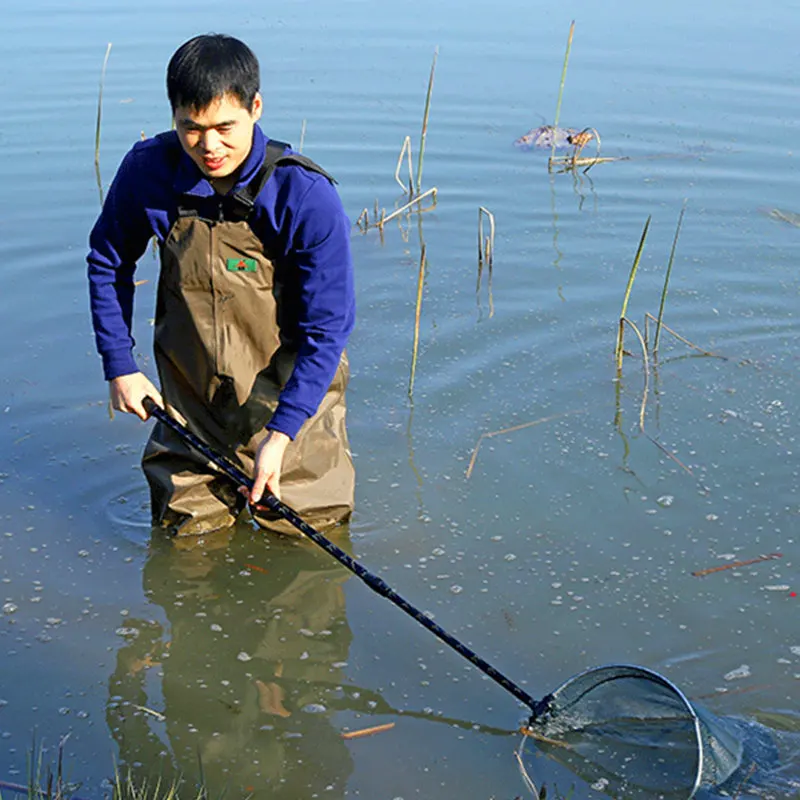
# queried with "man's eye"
point(225, 128)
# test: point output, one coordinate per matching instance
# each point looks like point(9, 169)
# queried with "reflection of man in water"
point(248, 672)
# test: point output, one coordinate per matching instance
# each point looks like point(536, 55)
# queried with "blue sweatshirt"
point(298, 216)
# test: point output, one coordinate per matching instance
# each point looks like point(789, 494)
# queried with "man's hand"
point(268, 463)
point(129, 391)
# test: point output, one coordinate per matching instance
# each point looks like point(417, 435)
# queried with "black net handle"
point(373, 581)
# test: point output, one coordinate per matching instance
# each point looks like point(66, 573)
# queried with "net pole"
point(374, 582)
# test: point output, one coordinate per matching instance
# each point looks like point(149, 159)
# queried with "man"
point(255, 300)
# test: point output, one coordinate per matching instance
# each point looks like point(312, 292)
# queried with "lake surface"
point(572, 542)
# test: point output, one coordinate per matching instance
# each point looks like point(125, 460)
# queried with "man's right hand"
point(129, 391)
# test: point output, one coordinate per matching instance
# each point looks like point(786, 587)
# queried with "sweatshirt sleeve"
point(117, 241)
point(320, 255)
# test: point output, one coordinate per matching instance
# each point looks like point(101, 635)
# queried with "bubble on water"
point(437, 551)
point(306, 632)
point(778, 587)
point(795, 650)
point(497, 538)
point(83, 553)
point(712, 517)
point(127, 633)
point(63, 711)
point(314, 708)
point(10, 608)
point(456, 589)
point(738, 673)
point(666, 500)
point(82, 715)
point(216, 628)
point(244, 656)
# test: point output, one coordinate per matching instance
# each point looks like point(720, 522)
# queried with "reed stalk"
point(384, 219)
point(100, 107)
point(486, 253)
point(563, 80)
point(626, 298)
point(646, 389)
point(424, 133)
point(417, 315)
point(99, 121)
point(405, 150)
point(302, 136)
point(660, 320)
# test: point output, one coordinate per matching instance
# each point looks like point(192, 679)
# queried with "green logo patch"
point(241, 264)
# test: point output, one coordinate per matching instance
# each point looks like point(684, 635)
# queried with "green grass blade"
point(628, 289)
point(666, 281)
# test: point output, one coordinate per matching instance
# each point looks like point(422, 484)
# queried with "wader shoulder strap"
point(241, 202)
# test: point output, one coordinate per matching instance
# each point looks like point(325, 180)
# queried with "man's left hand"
point(268, 462)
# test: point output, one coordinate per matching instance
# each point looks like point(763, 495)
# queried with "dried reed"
point(302, 136)
point(424, 133)
point(417, 315)
point(405, 150)
point(99, 120)
point(486, 253)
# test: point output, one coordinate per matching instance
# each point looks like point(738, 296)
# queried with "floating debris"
point(738, 673)
point(551, 137)
point(145, 710)
point(368, 731)
point(734, 564)
point(789, 217)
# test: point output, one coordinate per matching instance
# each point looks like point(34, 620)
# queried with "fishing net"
point(632, 733)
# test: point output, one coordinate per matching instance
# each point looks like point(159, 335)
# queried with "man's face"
point(219, 137)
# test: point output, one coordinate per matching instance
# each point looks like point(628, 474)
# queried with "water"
point(571, 543)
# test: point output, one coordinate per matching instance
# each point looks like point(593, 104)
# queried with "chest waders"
point(222, 361)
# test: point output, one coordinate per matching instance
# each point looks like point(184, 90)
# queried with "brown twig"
point(513, 429)
point(734, 564)
point(525, 731)
point(669, 454)
point(368, 731)
point(686, 341)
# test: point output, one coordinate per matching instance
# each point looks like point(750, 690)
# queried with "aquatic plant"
point(623, 319)
point(98, 125)
point(417, 316)
point(426, 113)
point(486, 253)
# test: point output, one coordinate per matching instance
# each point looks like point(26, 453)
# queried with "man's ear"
point(258, 107)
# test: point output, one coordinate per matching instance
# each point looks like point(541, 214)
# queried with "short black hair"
point(210, 66)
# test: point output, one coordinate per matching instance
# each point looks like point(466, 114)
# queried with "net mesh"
point(638, 733)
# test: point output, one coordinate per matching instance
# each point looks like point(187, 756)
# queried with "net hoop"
point(617, 671)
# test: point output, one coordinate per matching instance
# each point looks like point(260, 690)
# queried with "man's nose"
point(209, 140)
